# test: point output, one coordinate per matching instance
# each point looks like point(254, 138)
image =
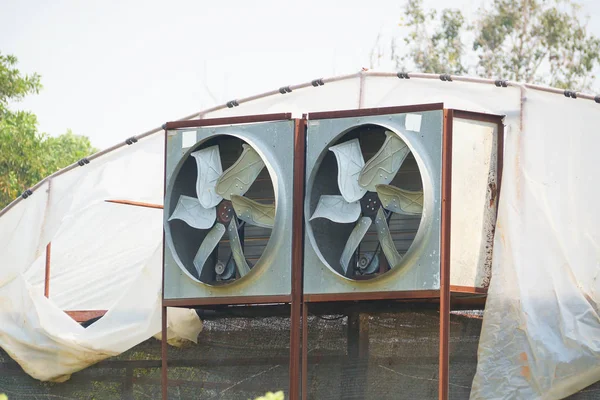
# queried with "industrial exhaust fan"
point(373, 205)
point(228, 211)
point(372, 209)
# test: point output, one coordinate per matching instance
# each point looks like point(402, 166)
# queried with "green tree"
point(26, 155)
point(533, 41)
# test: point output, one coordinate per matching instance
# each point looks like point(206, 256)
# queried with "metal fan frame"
point(420, 269)
point(271, 276)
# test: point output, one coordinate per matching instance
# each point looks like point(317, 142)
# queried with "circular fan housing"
point(218, 238)
point(348, 225)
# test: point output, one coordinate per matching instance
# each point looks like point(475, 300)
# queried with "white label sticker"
point(413, 122)
point(188, 139)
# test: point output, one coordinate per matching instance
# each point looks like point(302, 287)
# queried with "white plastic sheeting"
point(541, 331)
point(105, 256)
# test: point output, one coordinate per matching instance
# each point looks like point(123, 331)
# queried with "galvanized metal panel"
point(417, 238)
point(267, 250)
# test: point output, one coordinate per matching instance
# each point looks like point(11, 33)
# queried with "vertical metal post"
point(164, 379)
point(354, 384)
point(445, 257)
point(47, 272)
point(127, 392)
point(304, 351)
point(297, 257)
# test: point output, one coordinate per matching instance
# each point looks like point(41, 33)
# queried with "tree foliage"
point(534, 41)
point(26, 155)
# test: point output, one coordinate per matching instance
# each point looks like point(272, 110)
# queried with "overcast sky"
point(113, 69)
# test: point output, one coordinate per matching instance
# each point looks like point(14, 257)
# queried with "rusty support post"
point(47, 272)
point(444, 356)
point(297, 258)
point(353, 381)
point(127, 391)
point(164, 379)
point(304, 351)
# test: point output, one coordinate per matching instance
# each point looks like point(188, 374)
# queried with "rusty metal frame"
point(295, 299)
point(304, 351)
point(227, 300)
point(401, 295)
point(367, 296)
point(444, 356)
point(296, 313)
point(246, 119)
point(445, 288)
point(299, 302)
point(164, 379)
point(366, 112)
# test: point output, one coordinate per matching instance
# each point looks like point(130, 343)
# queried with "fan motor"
point(368, 263)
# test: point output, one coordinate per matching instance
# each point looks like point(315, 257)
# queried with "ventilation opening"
point(235, 165)
point(368, 260)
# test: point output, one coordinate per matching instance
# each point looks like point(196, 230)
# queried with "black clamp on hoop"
point(446, 78)
point(403, 75)
point(285, 89)
point(318, 82)
point(83, 161)
point(570, 93)
point(501, 83)
point(597, 99)
point(26, 193)
point(132, 140)
point(232, 103)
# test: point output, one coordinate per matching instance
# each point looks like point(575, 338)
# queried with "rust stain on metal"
point(493, 193)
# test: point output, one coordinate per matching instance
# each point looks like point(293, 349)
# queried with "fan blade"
point(349, 162)
point(236, 249)
point(190, 211)
point(357, 234)
point(400, 201)
point(254, 213)
point(384, 165)
point(239, 177)
point(385, 238)
point(207, 246)
point(208, 162)
point(336, 209)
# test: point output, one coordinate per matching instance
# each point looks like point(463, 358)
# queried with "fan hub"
point(370, 204)
point(225, 212)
